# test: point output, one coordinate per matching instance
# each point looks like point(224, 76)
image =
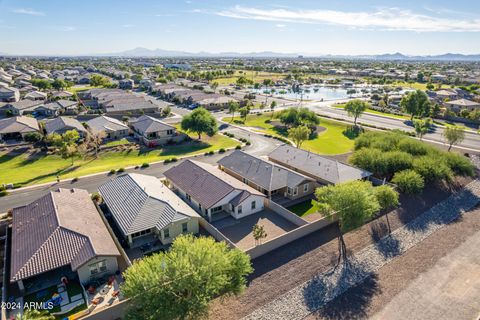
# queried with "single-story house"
point(36, 95)
point(113, 128)
point(267, 177)
point(143, 208)
point(8, 94)
point(461, 104)
point(212, 192)
point(153, 132)
point(60, 234)
point(61, 95)
point(20, 107)
point(61, 125)
point(17, 127)
point(323, 170)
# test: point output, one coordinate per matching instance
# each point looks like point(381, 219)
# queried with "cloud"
point(128, 25)
point(28, 11)
point(279, 25)
point(389, 19)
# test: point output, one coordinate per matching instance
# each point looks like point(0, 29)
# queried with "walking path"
point(317, 292)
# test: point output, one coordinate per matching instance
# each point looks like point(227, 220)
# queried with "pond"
point(313, 93)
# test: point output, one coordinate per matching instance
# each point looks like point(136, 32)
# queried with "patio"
point(240, 231)
point(145, 245)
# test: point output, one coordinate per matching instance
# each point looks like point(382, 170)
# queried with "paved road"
point(472, 140)
point(449, 290)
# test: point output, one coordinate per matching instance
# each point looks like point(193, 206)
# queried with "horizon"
point(55, 28)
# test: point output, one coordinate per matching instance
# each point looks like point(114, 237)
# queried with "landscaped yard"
point(73, 289)
point(304, 208)
point(391, 115)
point(27, 169)
point(115, 143)
point(76, 89)
point(334, 140)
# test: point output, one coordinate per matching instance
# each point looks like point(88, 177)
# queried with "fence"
point(214, 232)
point(288, 237)
point(113, 312)
point(285, 213)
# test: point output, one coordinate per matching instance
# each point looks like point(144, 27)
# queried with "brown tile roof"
point(205, 183)
point(61, 228)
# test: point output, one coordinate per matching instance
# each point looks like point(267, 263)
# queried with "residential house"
point(20, 107)
point(461, 104)
point(61, 125)
point(36, 95)
point(153, 132)
point(323, 170)
point(17, 127)
point(60, 234)
point(145, 210)
point(8, 94)
point(269, 178)
point(212, 192)
point(113, 128)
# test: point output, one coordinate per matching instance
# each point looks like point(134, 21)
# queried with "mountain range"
point(144, 52)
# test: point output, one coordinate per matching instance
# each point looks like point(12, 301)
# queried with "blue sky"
point(309, 27)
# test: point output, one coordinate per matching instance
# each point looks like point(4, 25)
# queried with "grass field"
point(304, 208)
point(251, 75)
point(334, 140)
point(28, 169)
point(76, 89)
point(115, 143)
point(415, 85)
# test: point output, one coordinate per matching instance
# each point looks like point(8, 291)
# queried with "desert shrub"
point(121, 170)
point(432, 168)
point(409, 181)
point(413, 147)
point(372, 160)
point(112, 171)
point(397, 161)
point(238, 147)
point(222, 150)
point(459, 164)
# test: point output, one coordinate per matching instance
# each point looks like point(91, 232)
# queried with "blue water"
point(315, 93)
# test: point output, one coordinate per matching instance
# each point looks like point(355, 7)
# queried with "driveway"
point(240, 231)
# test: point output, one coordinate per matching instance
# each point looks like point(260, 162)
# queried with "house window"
point(216, 209)
point(295, 191)
point(184, 227)
point(169, 132)
point(305, 187)
point(141, 233)
point(239, 209)
point(254, 204)
point(245, 181)
point(98, 267)
point(189, 198)
point(166, 233)
point(289, 191)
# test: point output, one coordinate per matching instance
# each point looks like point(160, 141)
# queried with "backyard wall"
point(285, 213)
point(288, 237)
point(214, 232)
point(114, 312)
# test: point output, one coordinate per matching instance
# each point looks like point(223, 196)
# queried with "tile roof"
point(61, 228)
point(205, 183)
point(20, 124)
point(147, 124)
point(62, 123)
point(266, 174)
point(139, 202)
point(107, 124)
point(316, 165)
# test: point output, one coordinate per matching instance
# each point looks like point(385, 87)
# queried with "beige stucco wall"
point(175, 229)
point(84, 271)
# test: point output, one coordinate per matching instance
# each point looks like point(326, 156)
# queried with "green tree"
point(355, 108)
point(352, 203)
point(66, 144)
point(298, 135)
point(59, 84)
point(430, 86)
point(416, 103)
point(99, 81)
point(272, 106)
point(453, 135)
point(422, 127)
point(233, 107)
point(181, 282)
point(244, 112)
point(292, 117)
point(200, 121)
point(259, 233)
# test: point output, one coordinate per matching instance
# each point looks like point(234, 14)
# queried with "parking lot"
point(240, 231)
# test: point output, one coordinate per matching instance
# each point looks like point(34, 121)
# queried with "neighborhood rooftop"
point(314, 165)
point(61, 228)
point(139, 202)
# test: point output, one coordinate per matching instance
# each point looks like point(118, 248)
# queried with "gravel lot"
point(289, 266)
point(323, 288)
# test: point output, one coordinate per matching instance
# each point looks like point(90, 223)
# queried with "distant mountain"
point(144, 52)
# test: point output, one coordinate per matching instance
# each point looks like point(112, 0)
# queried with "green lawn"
point(80, 88)
point(115, 143)
point(334, 140)
point(304, 208)
point(28, 169)
point(414, 85)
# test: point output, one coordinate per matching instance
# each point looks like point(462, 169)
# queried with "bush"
point(372, 160)
point(96, 197)
point(459, 164)
point(167, 161)
point(432, 169)
point(3, 191)
point(409, 181)
point(173, 159)
point(75, 179)
point(238, 147)
point(413, 147)
point(32, 137)
point(211, 152)
point(145, 165)
point(121, 170)
point(112, 171)
point(248, 143)
point(222, 150)
point(397, 161)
